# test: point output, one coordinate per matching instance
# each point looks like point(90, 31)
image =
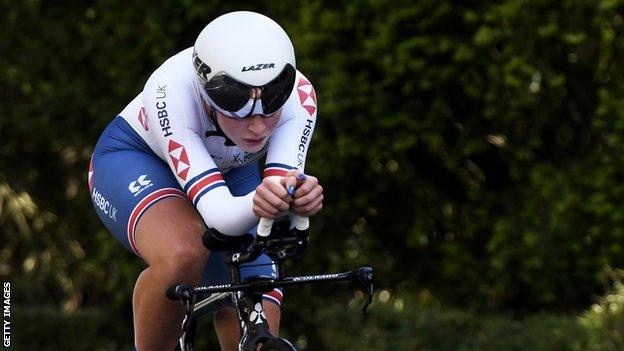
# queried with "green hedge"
point(48, 328)
point(426, 329)
point(392, 326)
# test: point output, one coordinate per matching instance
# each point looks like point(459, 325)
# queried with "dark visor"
point(231, 95)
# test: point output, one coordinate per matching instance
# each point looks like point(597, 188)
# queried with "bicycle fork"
point(253, 321)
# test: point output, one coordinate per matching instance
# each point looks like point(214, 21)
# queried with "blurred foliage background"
point(472, 152)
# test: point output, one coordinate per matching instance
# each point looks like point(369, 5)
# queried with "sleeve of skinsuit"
point(289, 143)
point(173, 120)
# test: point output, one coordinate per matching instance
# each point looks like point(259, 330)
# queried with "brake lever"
point(369, 299)
point(185, 294)
point(364, 276)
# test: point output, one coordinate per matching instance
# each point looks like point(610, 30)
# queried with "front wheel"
point(277, 344)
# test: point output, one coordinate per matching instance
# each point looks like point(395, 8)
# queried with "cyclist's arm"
point(289, 143)
point(173, 124)
point(287, 153)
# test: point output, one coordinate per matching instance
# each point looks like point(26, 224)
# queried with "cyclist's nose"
point(256, 124)
point(255, 93)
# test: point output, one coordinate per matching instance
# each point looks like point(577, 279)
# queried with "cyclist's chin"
point(252, 145)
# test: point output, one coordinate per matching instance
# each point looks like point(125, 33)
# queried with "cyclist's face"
point(251, 133)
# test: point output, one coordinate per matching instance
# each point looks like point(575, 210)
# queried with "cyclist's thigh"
point(241, 181)
point(125, 180)
point(170, 233)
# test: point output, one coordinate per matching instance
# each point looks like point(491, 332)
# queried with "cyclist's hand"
point(292, 180)
point(308, 197)
point(271, 198)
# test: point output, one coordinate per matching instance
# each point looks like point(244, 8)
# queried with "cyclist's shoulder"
point(176, 72)
point(302, 100)
point(181, 61)
point(302, 80)
point(174, 84)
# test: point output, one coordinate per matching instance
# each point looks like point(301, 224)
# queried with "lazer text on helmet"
point(258, 67)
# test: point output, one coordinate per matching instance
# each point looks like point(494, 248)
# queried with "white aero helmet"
point(240, 51)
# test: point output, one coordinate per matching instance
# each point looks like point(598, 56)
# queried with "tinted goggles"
point(234, 98)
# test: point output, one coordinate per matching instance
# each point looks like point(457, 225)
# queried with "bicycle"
point(280, 243)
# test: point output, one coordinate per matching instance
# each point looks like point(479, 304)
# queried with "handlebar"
point(363, 276)
point(281, 243)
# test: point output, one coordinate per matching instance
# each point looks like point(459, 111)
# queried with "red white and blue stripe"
point(276, 169)
point(144, 205)
point(274, 296)
point(198, 186)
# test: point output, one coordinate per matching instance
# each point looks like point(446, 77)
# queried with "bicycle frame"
point(246, 296)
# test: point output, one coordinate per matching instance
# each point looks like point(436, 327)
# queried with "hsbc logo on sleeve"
point(307, 95)
point(179, 159)
point(138, 186)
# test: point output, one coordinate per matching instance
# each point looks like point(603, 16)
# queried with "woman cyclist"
point(183, 155)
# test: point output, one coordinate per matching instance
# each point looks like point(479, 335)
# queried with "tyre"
point(278, 344)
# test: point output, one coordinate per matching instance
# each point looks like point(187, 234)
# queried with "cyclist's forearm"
point(230, 215)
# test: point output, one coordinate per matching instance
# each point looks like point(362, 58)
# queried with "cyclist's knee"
point(185, 256)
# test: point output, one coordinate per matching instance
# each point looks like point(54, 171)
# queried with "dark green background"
point(472, 152)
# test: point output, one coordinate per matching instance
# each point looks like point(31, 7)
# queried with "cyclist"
point(184, 154)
